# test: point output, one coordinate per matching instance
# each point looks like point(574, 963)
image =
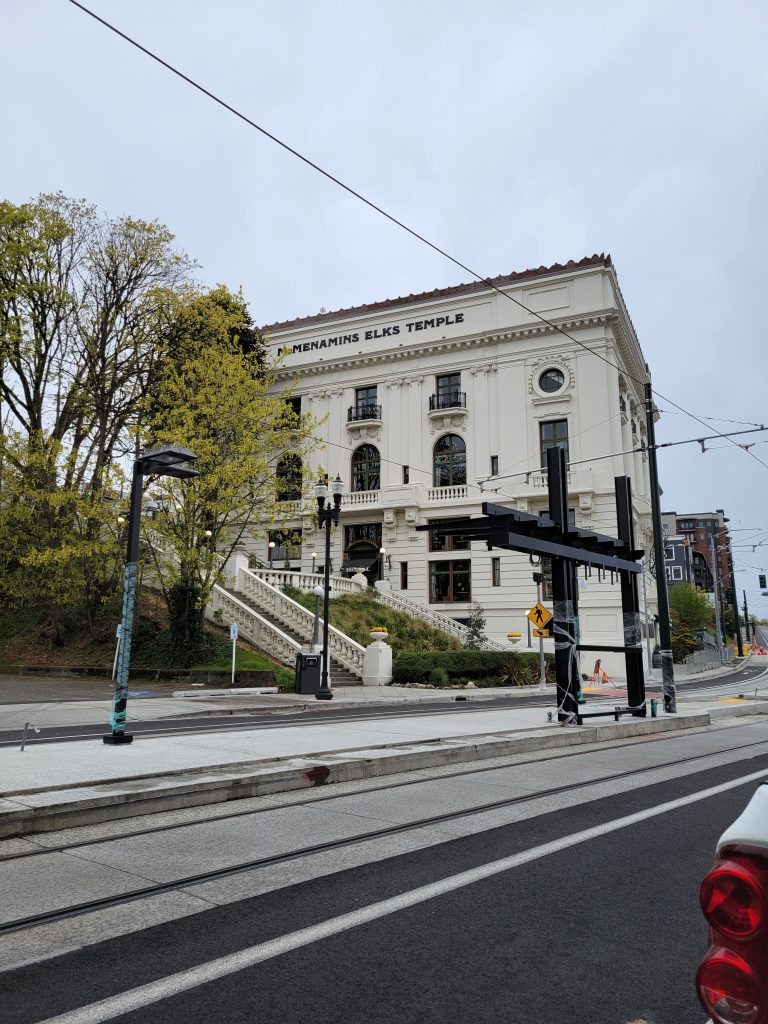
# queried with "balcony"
point(364, 421)
point(363, 412)
point(355, 499)
point(447, 410)
point(448, 400)
point(451, 494)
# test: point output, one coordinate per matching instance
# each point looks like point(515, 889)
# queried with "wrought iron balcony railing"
point(448, 400)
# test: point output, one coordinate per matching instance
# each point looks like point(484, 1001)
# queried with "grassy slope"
point(355, 614)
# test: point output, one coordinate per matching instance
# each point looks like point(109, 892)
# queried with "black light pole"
point(665, 633)
point(327, 514)
point(166, 461)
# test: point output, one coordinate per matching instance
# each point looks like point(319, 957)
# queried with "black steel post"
point(746, 620)
point(630, 604)
point(665, 632)
point(734, 600)
point(563, 619)
point(325, 692)
point(120, 699)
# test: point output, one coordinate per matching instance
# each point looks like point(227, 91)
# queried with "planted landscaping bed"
point(483, 668)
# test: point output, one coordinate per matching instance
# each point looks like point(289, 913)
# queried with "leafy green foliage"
point(690, 607)
point(476, 638)
point(505, 669)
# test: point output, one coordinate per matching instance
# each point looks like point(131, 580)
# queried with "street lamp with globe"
point(327, 514)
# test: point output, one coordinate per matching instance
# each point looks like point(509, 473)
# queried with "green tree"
point(223, 401)
point(476, 638)
point(690, 607)
point(82, 298)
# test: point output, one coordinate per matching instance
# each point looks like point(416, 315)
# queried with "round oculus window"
point(551, 380)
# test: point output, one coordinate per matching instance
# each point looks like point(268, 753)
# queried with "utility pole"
point(716, 595)
point(665, 633)
point(734, 599)
point(746, 618)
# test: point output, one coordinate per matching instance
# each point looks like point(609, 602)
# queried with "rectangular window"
point(403, 575)
point(448, 391)
point(294, 404)
point(287, 546)
point(441, 542)
point(677, 572)
point(365, 402)
point(494, 465)
point(450, 582)
point(546, 563)
point(406, 474)
point(495, 572)
point(552, 434)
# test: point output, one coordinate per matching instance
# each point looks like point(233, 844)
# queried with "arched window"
point(288, 478)
point(450, 461)
point(366, 472)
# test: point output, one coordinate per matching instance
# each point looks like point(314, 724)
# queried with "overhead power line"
point(374, 206)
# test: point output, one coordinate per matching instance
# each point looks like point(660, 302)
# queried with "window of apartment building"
point(288, 478)
point(445, 542)
point(449, 461)
point(448, 390)
point(287, 545)
point(551, 380)
point(552, 434)
point(403, 575)
point(366, 464)
point(495, 572)
point(687, 524)
point(677, 572)
point(365, 403)
point(450, 582)
point(546, 563)
point(294, 404)
point(494, 465)
point(362, 531)
point(406, 474)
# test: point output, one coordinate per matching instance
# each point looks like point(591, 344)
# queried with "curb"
point(48, 811)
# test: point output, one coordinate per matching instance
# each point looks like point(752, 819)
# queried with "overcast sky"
point(511, 134)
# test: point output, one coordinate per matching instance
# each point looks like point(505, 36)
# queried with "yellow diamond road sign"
point(539, 615)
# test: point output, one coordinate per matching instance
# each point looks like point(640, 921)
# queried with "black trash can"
point(308, 667)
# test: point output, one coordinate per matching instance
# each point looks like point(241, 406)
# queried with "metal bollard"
point(654, 709)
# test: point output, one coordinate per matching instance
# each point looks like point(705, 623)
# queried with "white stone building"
point(433, 403)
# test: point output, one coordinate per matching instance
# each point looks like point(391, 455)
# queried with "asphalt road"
point(606, 929)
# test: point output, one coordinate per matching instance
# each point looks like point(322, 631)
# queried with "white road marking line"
point(183, 981)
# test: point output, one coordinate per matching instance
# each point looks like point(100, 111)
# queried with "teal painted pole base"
point(116, 738)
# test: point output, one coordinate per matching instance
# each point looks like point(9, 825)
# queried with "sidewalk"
point(58, 785)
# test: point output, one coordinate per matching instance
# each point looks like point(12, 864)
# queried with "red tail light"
point(734, 899)
point(729, 990)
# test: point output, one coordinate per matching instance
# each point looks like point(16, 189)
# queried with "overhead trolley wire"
point(488, 282)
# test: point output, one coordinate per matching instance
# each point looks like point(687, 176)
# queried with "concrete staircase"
point(340, 676)
point(278, 625)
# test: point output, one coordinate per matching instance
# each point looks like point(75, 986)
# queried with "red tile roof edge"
point(597, 260)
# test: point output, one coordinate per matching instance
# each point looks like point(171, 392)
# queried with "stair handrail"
point(254, 627)
point(344, 585)
point(348, 652)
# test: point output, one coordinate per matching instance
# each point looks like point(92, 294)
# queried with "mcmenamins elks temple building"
point(431, 404)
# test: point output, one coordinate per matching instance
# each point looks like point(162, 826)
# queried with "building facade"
point(706, 538)
point(431, 404)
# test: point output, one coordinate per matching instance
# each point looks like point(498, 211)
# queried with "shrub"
point(439, 676)
point(511, 668)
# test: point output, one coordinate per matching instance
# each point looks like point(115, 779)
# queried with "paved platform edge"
point(95, 803)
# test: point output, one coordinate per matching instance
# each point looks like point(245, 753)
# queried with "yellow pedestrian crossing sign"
point(539, 615)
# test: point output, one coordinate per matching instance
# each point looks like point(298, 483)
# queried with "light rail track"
point(75, 910)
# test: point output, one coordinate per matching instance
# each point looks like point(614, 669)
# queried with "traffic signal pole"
point(665, 632)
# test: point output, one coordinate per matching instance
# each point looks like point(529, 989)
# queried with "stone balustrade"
point(265, 595)
point(252, 626)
